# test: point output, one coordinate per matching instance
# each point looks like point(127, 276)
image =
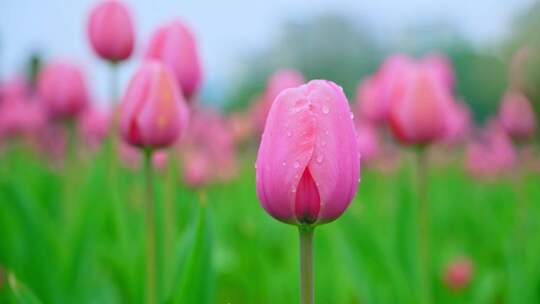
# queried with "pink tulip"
point(517, 116)
point(492, 153)
point(375, 95)
point(418, 115)
point(458, 273)
point(111, 31)
point(62, 88)
point(368, 142)
point(13, 90)
point(442, 67)
point(208, 135)
point(459, 123)
point(197, 169)
point(93, 126)
point(241, 127)
point(21, 117)
point(175, 45)
point(308, 165)
point(153, 112)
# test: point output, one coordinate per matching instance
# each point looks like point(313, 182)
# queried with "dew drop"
point(289, 133)
point(296, 164)
point(325, 109)
point(320, 158)
point(284, 164)
point(293, 190)
point(352, 115)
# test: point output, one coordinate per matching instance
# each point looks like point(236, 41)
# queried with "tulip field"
point(401, 188)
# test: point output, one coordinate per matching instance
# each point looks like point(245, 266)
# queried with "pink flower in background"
point(368, 142)
point(174, 44)
point(210, 138)
point(110, 30)
point(442, 67)
point(240, 126)
point(153, 112)
point(492, 153)
point(308, 164)
point(517, 116)
point(13, 90)
point(62, 88)
point(458, 273)
point(21, 117)
point(375, 95)
point(197, 169)
point(418, 115)
point(93, 126)
point(279, 81)
point(459, 123)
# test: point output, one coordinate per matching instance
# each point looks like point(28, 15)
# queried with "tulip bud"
point(368, 142)
point(458, 273)
point(111, 31)
point(153, 112)
point(308, 164)
point(418, 114)
point(175, 45)
point(517, 116)
point(62, 88)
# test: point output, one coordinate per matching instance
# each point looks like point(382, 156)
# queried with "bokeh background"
point(71, 215)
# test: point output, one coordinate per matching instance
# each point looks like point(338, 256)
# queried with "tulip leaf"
point(21, 293)
point(192, 277)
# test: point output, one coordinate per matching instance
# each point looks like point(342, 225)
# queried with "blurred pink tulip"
point(458, 273)
point(517, 116)
point(197, 170)
point(21, 117)
point(175, 45)
point(368, 142)
point(111, 31)
point(241, 127)
point(459, 123)
point(442, 67)
point(209, 137)
point(419, 114)
point(62, 88)
point(375, 94)
point(13, 90)
point(492, 154)
point(93, 126)
point(308, 164)
point(153, 112)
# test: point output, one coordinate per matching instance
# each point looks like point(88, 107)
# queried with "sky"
point(226, 30)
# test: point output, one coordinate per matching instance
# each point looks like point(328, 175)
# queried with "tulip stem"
point(150, 217)
point(306, 265)
point(423, 219)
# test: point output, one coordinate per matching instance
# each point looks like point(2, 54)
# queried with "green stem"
point(424, 231)
point(306, 265)
point(150, 217)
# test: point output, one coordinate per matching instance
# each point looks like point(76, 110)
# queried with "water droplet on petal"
point(326, 109)
point(352, 115)
point(284, 164)
point(289, 133)
point(296, 164)
point(320, 158)
point(293, 190)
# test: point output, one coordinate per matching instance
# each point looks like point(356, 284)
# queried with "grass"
point(75, 234)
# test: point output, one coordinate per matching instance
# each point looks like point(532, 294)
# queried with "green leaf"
point(21, 293)
point(193, 275)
